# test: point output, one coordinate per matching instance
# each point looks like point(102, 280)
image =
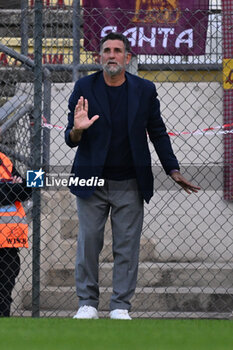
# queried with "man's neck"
point(115, 80)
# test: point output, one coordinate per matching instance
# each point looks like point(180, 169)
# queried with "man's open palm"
point(81, 120)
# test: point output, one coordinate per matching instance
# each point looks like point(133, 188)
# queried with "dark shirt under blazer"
point(143, 117)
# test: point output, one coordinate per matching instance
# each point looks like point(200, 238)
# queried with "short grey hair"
point(116, 36)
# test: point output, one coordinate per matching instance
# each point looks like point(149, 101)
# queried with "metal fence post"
point(227, 8)
point(37, 158)
point(47, 115)
point(24, 27)
point(76, 37)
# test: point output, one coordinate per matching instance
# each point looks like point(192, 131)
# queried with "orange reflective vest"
point(13, 225)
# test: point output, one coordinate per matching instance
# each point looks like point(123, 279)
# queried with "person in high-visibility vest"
point(13, 229)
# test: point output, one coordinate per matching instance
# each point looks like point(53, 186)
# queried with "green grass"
point(105, 334)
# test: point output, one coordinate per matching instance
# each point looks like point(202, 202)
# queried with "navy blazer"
point(143, 117)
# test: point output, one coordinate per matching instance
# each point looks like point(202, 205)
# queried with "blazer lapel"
point(101, 96)
point(134, 92)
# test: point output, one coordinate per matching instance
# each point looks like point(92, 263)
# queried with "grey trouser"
point(125, 204)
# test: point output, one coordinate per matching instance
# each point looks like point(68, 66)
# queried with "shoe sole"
point(86, 318)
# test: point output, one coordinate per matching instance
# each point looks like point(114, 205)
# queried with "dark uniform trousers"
point(9, 270)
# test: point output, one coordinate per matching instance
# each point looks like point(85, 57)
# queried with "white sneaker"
point(120, 314)
point(86, 312)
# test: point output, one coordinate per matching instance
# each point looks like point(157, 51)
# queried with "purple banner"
point(159, 27)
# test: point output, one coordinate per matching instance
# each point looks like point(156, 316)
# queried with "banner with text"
point(159, 27)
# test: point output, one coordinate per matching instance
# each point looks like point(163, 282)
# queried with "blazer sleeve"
point(159, 137)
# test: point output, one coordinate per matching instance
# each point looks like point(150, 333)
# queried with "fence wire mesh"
point(186, 264)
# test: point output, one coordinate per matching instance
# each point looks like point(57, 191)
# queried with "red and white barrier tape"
point(44, 124)
point(215, 130)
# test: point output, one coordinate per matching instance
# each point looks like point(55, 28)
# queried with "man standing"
point(111, 113)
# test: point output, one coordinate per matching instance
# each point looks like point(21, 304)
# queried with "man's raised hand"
point(81, 120)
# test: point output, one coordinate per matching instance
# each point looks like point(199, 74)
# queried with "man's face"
point(113, 57)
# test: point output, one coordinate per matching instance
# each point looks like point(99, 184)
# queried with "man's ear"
point(128, 57)
point(97, 58)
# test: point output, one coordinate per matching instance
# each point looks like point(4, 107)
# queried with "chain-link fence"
point(186, 264)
